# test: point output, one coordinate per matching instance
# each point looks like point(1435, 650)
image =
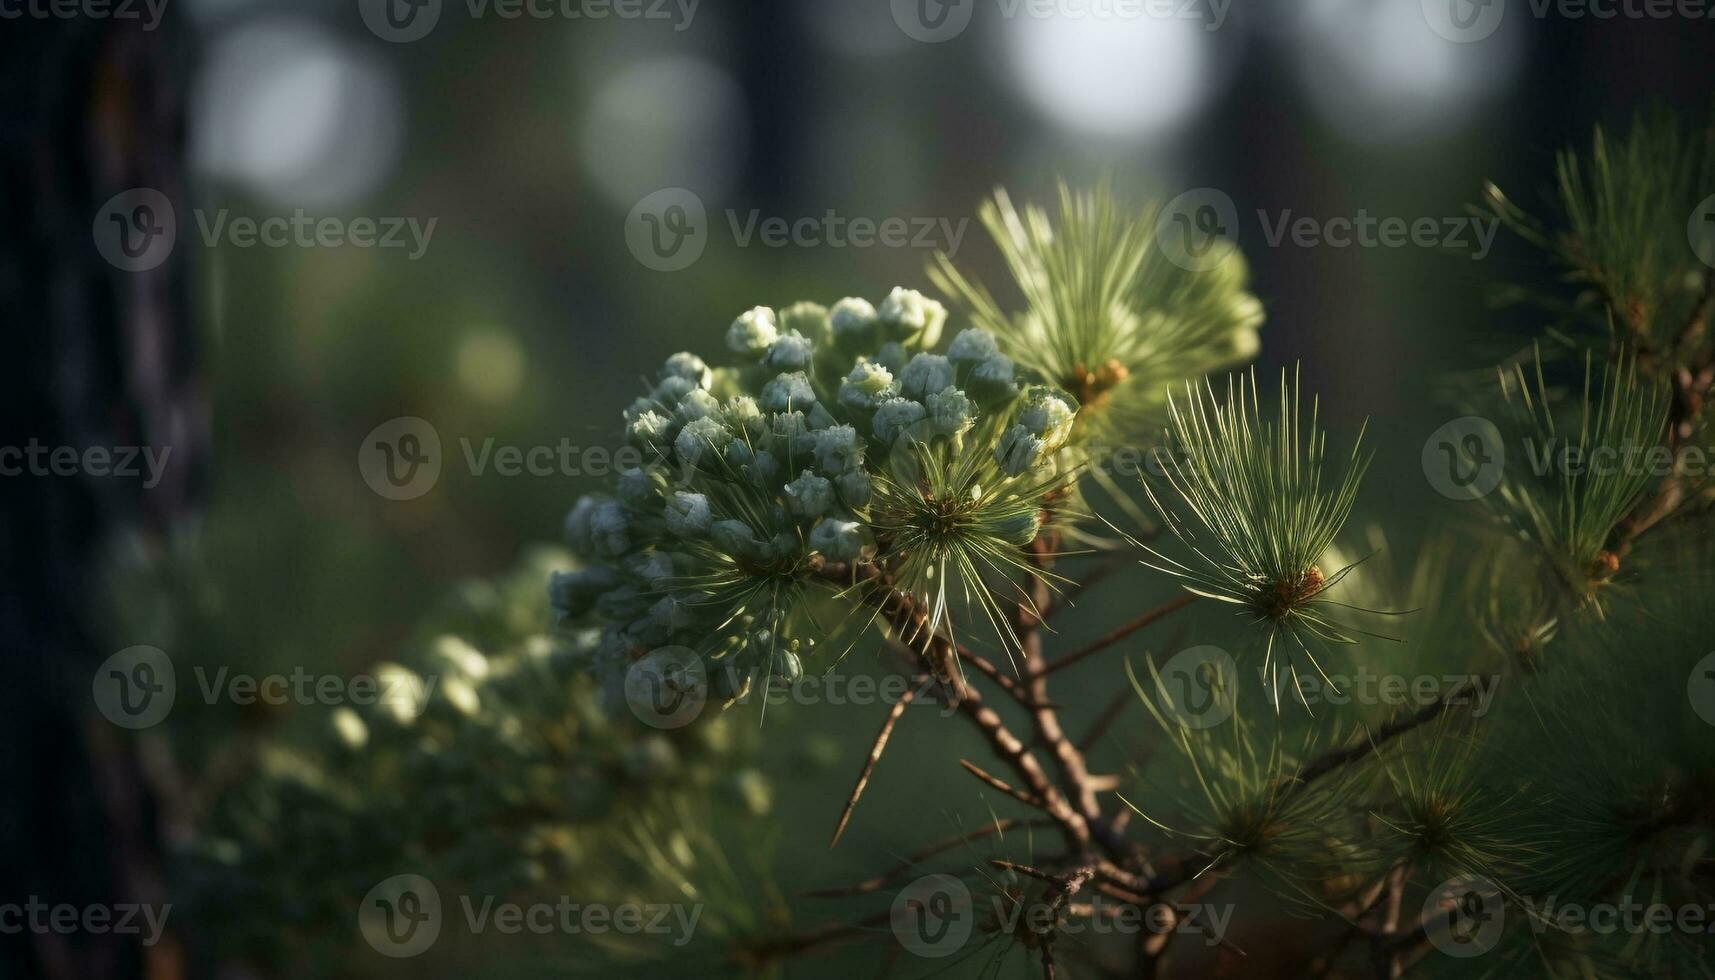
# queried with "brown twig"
point(875, 752)
point(1114, 636)
point(877, 883)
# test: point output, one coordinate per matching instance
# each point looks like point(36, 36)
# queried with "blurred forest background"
point(528, 320)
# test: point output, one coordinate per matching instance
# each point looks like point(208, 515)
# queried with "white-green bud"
point(971, 347)
point(670, 389)
point(809, 319)
point(641, 486)
point(649, 429)
point(1019, 451)
point(788, 392)
point(687, 514)
point(349, 728)
point(838, 450)
point(791, 433)
point(855, 326)
point(609, 529)
point(868, 385)
point(743, 412)
point(895, 416)
point(907, 315)
point(752, 332)
point(702, 439)
point(688, 366)
point(809, 496)
point(792, 352)
point(1048, 414)
point(926, 374)
point(839, 540)
point(990, 380)
point(735, 538)
point(854, 488)
point(950, 412)
point(698, 404)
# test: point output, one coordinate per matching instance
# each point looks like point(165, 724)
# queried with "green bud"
point(809, 496)
point(909, 316)
point(752, 332)
point(926, 374)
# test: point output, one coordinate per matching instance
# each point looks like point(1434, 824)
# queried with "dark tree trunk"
point(94, 357)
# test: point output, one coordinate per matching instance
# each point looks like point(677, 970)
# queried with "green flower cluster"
point(764, 474)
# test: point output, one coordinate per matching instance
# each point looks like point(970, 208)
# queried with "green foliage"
point(1622, 235)
point(1581, 480)
point(1257, 518)
point(1107, 315)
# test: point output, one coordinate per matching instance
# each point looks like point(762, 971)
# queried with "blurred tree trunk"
point(94, 356)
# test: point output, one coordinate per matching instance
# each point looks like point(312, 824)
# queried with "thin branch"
point(904, 867)
point(875, 752)
point(1115, 635)
point(1000, 784)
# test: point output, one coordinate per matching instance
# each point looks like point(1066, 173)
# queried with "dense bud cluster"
point(762, 472)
